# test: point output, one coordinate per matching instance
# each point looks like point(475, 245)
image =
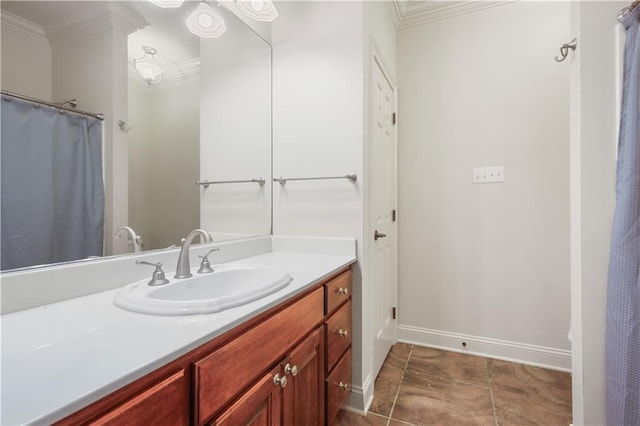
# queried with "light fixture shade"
point(167, 3)
point(260, 10)
point(146, 67)
point(205, 23)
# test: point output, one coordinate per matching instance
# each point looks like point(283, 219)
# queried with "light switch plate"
point(488, 174)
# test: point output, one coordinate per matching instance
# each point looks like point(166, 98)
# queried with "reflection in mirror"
point(197, 109)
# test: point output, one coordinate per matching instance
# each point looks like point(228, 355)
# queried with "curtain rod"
point(51, 104)
point(627, 10)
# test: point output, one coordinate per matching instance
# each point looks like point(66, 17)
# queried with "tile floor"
point(424, 386)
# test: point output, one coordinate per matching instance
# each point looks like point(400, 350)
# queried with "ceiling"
point(160, 27)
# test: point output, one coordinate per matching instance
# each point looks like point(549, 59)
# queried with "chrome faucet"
point(136, 239)
point(183, 270)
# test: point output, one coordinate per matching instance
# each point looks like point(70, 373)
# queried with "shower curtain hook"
point(564, 50)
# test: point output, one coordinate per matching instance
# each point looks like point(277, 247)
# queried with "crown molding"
point(179, 72)
point(23, 29)
point(394, 12)
point(109, 15)
point(405, 13)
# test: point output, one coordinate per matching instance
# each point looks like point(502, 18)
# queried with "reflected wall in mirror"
point(207, 119)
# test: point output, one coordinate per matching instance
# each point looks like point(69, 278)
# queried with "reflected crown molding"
point(407, 13)
point(106, 15)
point(173, 73)
point(24, 29)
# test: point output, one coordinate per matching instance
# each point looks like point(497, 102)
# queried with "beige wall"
point(164, 145)
point(26, 58)
point(486, 263)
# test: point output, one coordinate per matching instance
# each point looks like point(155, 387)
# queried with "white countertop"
point(61, 357)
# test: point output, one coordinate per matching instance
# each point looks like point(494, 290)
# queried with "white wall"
point(139, 140)
point(164, 151)
point(26, 58)
point(487, 264)
point(235, 131)
point(318, 60)
point(595, 89)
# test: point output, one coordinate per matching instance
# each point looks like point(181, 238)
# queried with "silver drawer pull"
point(293, 370)
point(280, 380)
point(342, 333)
point(343, 290)
point(344, 386)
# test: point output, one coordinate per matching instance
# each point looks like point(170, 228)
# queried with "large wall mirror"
point(186, 136)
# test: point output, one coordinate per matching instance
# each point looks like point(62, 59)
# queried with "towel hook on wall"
point(564, 50)
point(123, 126)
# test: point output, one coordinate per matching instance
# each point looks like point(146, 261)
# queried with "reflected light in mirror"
point(257, 5)
point(147, 68)
point(259, 10)
point(205, 23)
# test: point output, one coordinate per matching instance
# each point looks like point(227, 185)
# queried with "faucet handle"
point(205, 266)
point(157, 278)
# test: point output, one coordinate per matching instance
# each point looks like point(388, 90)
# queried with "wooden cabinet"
point(304, 393)
point(164, 404)
point(338, 386)
point(290, 394)
point(223, 374)
point(290, 365)
point(260, 405)
point(338, 331)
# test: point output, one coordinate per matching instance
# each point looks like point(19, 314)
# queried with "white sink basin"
point(228, 286)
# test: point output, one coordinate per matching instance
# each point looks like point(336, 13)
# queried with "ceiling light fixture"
point(167, 3)
point(147, 68)
point(260, 10)
point(205, 23)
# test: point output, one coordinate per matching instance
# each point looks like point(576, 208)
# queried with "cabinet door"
point(261, 405)
point(304, 394)
point(166, 403)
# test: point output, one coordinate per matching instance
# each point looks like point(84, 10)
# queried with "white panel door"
point(382, 235)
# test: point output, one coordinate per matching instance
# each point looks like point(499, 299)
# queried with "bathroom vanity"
point(289, 365)
point(284, 359)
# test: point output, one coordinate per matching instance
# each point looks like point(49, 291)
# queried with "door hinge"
point(393, 118)
point(393, 215)
point(393, 312)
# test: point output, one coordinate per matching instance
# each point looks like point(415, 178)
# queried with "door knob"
point(377, 235)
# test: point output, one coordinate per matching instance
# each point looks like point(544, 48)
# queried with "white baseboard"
point(360, 398)
point(540, 356)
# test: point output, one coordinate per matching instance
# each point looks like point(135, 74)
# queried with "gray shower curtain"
point(623, 291)
point(52, 187)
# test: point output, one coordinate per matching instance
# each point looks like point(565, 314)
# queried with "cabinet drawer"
point(338, 386)
point(338, 290)
point(224, 373)
point(166, 403)
point(338, 329)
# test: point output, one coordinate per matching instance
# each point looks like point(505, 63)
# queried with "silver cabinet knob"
point(279, 380)
point(289, 369)
point(342, 333)
point(344, 386)
point(343, 290)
